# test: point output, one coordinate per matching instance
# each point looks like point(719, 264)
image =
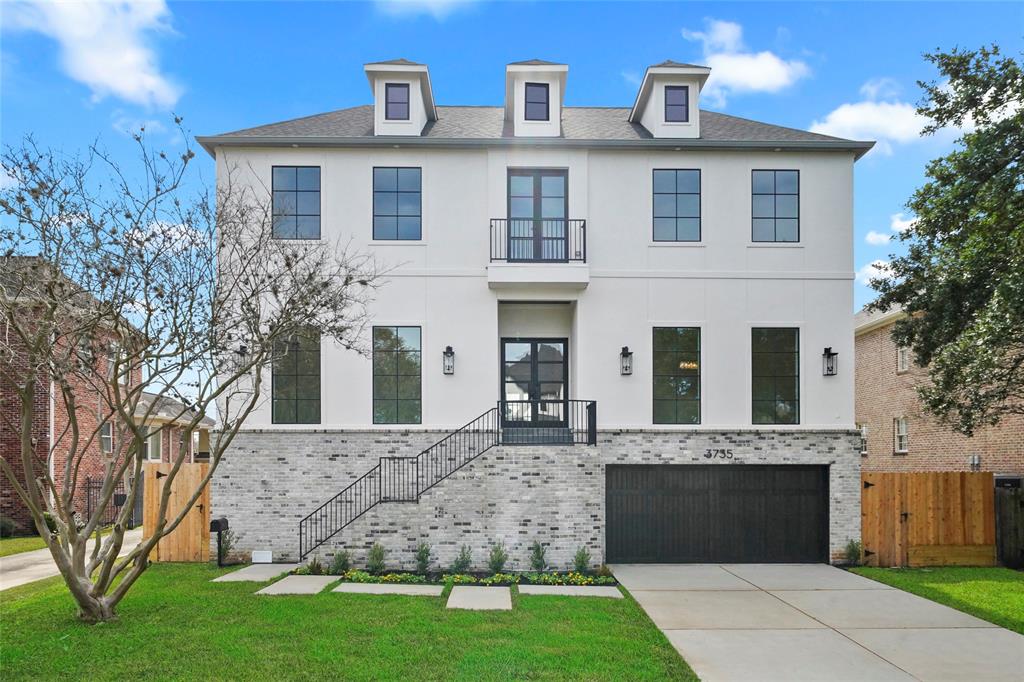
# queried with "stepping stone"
point(573, 590)
point(480, 598)
point(300, 584)
point(259, 573)
point(382, 588)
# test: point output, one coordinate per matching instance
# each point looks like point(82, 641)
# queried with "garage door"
point(726, 513)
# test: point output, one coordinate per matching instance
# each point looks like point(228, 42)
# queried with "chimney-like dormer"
point(534, 92)
point(668, 102)
point(403, 102)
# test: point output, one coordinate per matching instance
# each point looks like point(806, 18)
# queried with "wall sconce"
point(829, 363)
point(626, 361)
point(975, 462)
point(448, 360)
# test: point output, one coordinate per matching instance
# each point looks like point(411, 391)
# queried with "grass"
point(175, 624)
point(28, 543)
point(992, 594)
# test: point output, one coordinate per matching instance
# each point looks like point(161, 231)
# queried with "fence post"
point(592, 423)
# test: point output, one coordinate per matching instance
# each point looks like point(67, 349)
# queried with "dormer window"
point(677, 104)
point(537, 102)
point(396, 101)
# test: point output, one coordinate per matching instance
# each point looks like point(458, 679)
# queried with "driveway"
point(27, 567)
point(814, 622)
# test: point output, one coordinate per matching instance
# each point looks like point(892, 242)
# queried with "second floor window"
point(106, 438)
point(396, 101)
point(677, 104)
point(775, 206)
point(677, 205)
point(775, 365)
point(901, 436)
point(295, 385)
point(676, 375)
point(537, 102)
point(397, 375)
point(397, 203)
point(902, 359)
point(296, 202)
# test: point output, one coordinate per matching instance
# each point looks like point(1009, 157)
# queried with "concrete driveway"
point(814, 622)
point(27, 567)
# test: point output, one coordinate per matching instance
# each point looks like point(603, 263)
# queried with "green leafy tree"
point(961, 281)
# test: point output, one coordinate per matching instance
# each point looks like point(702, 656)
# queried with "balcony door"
point(538, 208)
point(535, 381)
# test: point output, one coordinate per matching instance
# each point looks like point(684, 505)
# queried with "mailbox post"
point(219, 525)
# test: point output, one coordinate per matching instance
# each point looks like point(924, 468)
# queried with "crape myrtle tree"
point(961, 281)
point(120, 284)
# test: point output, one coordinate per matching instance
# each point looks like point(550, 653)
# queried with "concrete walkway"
point(27, 567)
point(814, 622)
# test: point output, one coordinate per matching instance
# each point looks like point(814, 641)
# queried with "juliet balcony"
point(538, 251)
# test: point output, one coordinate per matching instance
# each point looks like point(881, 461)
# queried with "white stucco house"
point(622, 328)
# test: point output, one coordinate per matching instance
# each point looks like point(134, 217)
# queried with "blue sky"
point(77, 71)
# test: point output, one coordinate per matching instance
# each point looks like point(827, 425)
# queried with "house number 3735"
point(718, 453)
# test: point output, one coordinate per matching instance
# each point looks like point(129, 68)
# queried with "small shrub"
point(51, 523)
point(538, 557)
point(357, 576)
point(498, 558)
point(501, 579)
point(463, 561)
point(7, 526)
point(571, 578)
point(854, 552)
point(581, 562)
point(458, 579)
point(340, 563)
point(422, 558)
point(301, 570)
point(315, 567)
point(604, 571)
point(404, 578)
point(227, 543)
point(375, 559)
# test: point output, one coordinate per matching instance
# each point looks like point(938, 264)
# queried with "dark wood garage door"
point(707, 513)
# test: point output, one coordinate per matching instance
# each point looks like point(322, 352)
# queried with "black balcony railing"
point(538, 240)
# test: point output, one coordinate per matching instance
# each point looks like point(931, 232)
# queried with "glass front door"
point(535, 381)
point(537, 214)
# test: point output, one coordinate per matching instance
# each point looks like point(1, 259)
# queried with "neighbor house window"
point(397, 375)
point(296, 202)
point(153, 443)
point(676, 375)
point(677, 103)
point(677, 205)
point(901, 438)
point(295, 385)
point(902, 359)
point(775, 363)
point(775, 206)
point(537, 102)
point(397, 205)
point(106, 438)
point(396, 101)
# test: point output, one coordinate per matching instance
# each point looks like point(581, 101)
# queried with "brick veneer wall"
point(883, 395)
point(268, 481)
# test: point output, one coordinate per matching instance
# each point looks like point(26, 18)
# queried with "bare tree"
point(118, 286)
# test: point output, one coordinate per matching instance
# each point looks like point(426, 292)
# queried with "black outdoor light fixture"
point(626, 361)
point(829, 363)
point(448, 360)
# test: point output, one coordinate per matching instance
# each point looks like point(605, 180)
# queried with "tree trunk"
point(92, 611)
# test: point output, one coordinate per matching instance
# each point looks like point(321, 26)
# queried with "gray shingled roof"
point(669, 62)
point(395, 62)
point(535, 62)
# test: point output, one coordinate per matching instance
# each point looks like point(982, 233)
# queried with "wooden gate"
point(940, 518)
point(1010, 526)
point(190, 541)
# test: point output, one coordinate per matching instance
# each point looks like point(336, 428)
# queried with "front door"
point(537, 211)
point(535, 381)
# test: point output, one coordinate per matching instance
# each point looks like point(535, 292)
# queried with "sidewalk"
point(27, 567)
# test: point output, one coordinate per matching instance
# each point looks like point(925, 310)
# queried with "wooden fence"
point(190, 541)
point(1010, 526)
point(928, 519)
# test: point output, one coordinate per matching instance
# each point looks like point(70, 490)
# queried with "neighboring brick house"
point(899, 437)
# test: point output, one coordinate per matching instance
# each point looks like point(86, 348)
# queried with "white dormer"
point(534, 92)
point(667, 104)
point(403, 102)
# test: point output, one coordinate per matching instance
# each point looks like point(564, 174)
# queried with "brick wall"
point(268, 481)
point(883, 395)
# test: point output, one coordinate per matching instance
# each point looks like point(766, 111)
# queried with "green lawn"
point(994, 594)
point(10, 546)
point(175, 624)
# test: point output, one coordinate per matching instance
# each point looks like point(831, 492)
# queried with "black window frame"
point(775, 217)
point(397, 215)
point(276, 371)
point(700, 206)
point(274, 192)
point(527, 102)
point(775, 389)
point(685, 107)
point(397, 376)
point(655, 400)
point(398, 87)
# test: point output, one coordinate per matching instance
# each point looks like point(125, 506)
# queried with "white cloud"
point(129, 126)
point(631, 77)
point(886, 122)
point(439, 9)
point(900, 224)
point(873, 270)
point(877, 238)
point(880, 88)
point(736, 70)
point(6, 180)
point(105, 45)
